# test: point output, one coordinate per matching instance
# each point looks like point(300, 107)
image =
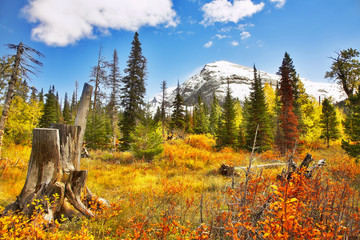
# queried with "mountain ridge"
point(214, 77)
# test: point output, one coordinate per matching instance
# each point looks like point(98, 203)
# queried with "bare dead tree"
point(24, 63)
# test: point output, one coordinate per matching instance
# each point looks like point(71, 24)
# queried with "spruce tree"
point(98, 129)
point(201, 121)
point(188, 121)
point(66, 113)
point(288, 127)
point(257, 115)
point(328, 122)
point(51, 114)
point(226, 135)
point(352, 127)
point(133, 91)
point(215, 112)
point(163, 106)
point(178, 114)
point(113, 82)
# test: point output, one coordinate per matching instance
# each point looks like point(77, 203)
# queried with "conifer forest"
point(279, 165)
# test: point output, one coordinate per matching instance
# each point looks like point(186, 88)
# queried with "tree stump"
point(54, 178)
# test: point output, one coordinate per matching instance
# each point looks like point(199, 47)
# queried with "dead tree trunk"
point(81, 117)
point(53, 173)
point(292, 167)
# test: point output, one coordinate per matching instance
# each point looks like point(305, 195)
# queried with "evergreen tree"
point(257, 115)
point(215, 112)
point(146, 139)
point(188, 121)
point(98, 129)
point(51, 114)
point(66, 113)
point(288, 127)
point(41, 96)
point(73, 106)
point(352, 127)
point(328, 122)
point(163, 107)
point(157, 117)
point(114, 80)
point(226, 135)
point(178, 114)
point(133, 91)
point(201, 120)
point(33, 95)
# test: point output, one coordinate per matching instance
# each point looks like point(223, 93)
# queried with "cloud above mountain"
point(228, 11)
point(278, 3)
point(60, 23)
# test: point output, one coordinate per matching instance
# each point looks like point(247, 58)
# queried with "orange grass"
point(181, 196)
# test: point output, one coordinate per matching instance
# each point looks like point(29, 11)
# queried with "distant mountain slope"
point(213, 79)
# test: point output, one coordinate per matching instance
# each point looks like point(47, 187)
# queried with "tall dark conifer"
point(226, 135)
point(113, 82)
point(201, 121)
point(328, 122)
point(178, 114)
point(352, 127)
point(257, 115)
point(288, 127)
point(215, 112)
point(66, 113)
point(51, 114)
point(133, 91)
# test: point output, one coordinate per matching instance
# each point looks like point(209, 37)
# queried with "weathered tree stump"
point(54, 178)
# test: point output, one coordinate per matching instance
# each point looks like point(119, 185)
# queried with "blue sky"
point(179, 36)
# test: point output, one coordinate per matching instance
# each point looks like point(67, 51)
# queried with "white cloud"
point(62, 22)
point(226, 11)
point(234, 43)
point(242, 27)
point(208, 44)
point(245, 35)
point(219, 36)
point(279, 3)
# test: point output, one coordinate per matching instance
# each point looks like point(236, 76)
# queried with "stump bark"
point(54, 178)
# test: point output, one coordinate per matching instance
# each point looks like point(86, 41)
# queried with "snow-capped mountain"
point(214, 77)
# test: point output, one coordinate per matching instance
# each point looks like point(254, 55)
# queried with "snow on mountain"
point(214, 77)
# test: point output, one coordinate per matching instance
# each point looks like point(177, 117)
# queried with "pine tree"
point(146, 139)
point(133, 91)
point(352, 127)
point(163, 107)
point(178, 114)
point(226, 135)
point(66, 113)
point(188, 121)
point(288, 127)
point(328, 122)
point(41, 96)
point(201, 121)
point(257, 115)
point(215, 112)
point(113, 83)
point(51, 114)
point(98, 129)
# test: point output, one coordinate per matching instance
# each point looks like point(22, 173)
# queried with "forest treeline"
point(120, 118)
